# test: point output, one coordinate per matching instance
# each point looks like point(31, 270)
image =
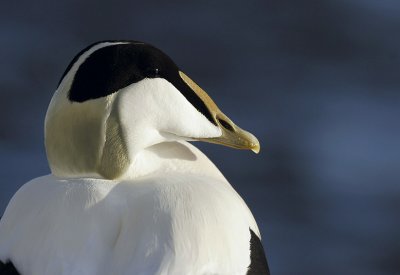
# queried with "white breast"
point(173, 221)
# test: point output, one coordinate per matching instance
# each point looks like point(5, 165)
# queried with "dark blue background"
point(316, 81)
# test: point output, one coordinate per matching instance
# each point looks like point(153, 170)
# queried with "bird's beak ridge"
point(232, 135)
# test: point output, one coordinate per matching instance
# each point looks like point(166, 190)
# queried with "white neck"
point(172, 157)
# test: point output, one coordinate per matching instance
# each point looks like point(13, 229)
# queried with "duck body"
point(169, 222)
point(128, 194)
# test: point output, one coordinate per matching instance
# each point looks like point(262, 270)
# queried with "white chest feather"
point(165, 223)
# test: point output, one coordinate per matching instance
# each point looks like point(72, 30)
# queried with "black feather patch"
point(258, 261)
point(8, 269)
point(113, 67)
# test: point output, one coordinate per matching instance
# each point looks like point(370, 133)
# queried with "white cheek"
point(155, 105)
point(181, 117)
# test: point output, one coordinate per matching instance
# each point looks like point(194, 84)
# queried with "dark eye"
point(153, 73)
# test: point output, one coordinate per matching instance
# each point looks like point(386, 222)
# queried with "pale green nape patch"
point(85, 139)
point(73, 136)
point(114, 159)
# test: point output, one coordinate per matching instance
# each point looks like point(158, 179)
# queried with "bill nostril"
point(226, 125)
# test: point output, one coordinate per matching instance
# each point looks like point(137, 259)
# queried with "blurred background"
point(316, 81)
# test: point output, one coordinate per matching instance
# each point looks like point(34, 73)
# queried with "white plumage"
point(128, 194)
